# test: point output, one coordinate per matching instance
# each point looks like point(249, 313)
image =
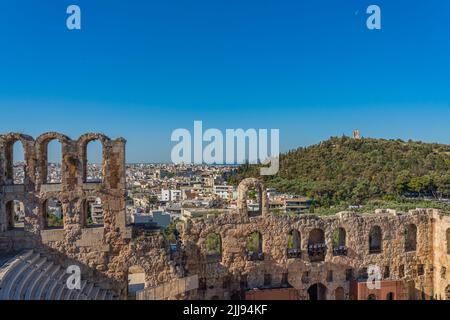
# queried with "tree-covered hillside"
point(346, 170)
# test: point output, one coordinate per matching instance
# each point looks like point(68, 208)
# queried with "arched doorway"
point(372, 297)
point(317, 292)
point(390, 296)
point(316, 245)
point(375, 240)
point(339, 294)
point(136, 281)
point(15, 214)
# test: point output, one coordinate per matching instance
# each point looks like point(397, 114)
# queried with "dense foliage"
point(346, 170)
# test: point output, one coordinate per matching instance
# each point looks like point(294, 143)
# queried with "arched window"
point(15, 215)
point(254, 247)
point(18, 163)
point(213, 246)
point(15, 162)
point(92, 212)
point(93, 162)
point(448, 240)
point(316, 245)
point(390, 296)
point(375, 240)
point(339, 294)
point(294, 245)
point(53, 159)
point(410, 237)
point(317, 292)
point(254, 206)
point(136, 281)
point(53, 214)
point(339, 240)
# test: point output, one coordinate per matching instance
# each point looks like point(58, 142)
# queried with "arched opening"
point(213, 246)
point(92, 212)
point(136, 281)
point(316, 245)
point(18, 166)
point(254, 247)
point(52, 157)
point(448, 240)
point(254, 205)
point(15, 215)
point(447, 293)
point(339, 294)
point(339, 240)
point(317, 292)
point(410, 237)
point(94, 162)
point(53, 214)
point(375, 240)
point(294, 245)
point(372, 297)
point(390, 296)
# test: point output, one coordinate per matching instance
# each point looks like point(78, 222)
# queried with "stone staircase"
point(31, 276)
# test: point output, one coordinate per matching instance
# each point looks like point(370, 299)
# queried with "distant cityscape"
point(158, 194)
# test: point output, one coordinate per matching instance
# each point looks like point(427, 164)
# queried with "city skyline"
point(313, 70)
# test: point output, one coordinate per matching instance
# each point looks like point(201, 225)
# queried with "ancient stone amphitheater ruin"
point(301, 257)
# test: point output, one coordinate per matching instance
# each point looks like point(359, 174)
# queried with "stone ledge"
point(51, 187)
point(52, 235)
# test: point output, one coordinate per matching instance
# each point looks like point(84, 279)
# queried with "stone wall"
point(104, 252)
point(223, 275)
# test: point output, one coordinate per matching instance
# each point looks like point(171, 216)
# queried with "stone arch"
point(83, 142)
point(7, 158)
point(447, 235)
point(390, 296)
point(410, 237)
point(52, 213)
point(213, 245)
point(42, 143)
point(92, 212)
point(254, 246)
point(375, 240)
point(317, 291)
point(339, 294)
point(136, 281)
point(243, 189)
point(294, 244)
point(339, 239)
point(316, 245)
point(15, 214)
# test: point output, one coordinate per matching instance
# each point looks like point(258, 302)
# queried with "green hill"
point(346, 170)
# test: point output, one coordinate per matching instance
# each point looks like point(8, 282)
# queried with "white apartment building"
point(224, 191)
point(170, 195)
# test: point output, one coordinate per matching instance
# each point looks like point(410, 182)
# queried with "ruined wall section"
point(224, 274)
point(76, 242)
point(441, 248)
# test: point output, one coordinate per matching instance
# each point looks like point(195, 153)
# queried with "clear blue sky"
point(140, 69)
